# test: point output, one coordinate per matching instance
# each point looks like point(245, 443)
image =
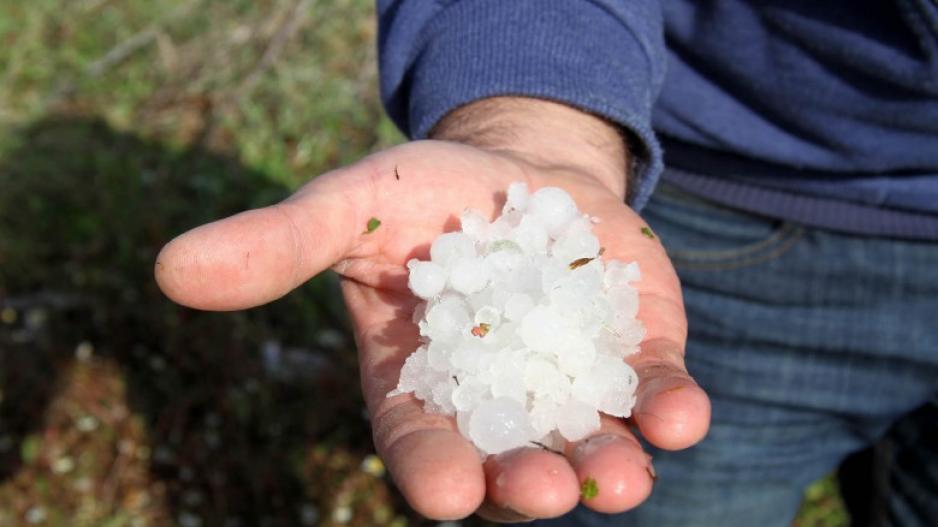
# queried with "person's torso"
point(841, 94)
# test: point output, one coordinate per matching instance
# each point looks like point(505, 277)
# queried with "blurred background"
point(122, 124)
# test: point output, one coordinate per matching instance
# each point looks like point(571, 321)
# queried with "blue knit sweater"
point(819, 112)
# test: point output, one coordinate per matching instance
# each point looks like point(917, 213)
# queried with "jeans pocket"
point(701, 234)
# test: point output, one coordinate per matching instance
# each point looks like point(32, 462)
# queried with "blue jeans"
point(812, 345)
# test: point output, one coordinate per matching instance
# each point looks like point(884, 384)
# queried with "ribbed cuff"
point(606, 60)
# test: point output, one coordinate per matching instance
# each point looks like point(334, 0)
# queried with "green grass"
point(122, 124)
point(102, 161)
point(822, 506)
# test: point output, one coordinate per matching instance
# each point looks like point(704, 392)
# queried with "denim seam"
point(783, 241)
point(775, 238)
point(702, 206)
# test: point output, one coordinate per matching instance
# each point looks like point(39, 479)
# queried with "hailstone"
point(523, 327)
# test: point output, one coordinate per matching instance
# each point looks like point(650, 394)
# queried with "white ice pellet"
point(620, 273)
point(468, 357)
point(480, 299)
point(462, 422)
point(468, 275)
point(517, 306)
point(551, 272)
point(543, 416)
point(575, 242)
point(446, 320)
point(542, 329)
point(553, 206)
point(426, 279)
point(543, 379)
point(517, 197)
point(438, 356)
point(499, 299)
point(609, 344)
point(505, 384)
point(524, 328)
point(505, 258)
point(451, 246)
point(627, 331)
point(414, 367)
point(474, 224)
point(488, 315)
point(606, 375)
point(531, 235)
point(469, 393)
point(500, 424)
point(442, 395)
point(623, 300)
point(577, 358)
point(576, 420)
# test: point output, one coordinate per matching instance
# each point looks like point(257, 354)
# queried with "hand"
point(417, 191)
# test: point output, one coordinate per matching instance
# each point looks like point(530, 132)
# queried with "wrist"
point(543, 133)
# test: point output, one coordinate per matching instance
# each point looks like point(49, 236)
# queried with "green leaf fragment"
point(589, 489)
point(373, 225)
point(646, 231)
point(503, 245)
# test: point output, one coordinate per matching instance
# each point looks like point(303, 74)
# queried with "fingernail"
point(502, 514)
point(505, 457)
point(650, 468)
point(518, 517)
point(589, 446)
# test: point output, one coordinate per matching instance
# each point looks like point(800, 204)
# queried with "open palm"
point(417, 191)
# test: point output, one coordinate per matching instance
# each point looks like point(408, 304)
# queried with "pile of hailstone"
point(524, 328)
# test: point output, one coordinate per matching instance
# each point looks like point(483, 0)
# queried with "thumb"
point(259, 255)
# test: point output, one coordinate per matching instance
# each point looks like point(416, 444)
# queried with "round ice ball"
point(517, 306)
point(623, 300)
point(531, 235)
point(576, 241)
point(544, 416)
point(542, 328)
point(577, 356)
point(451, 246)
point(474, 224)
point(468, 394)
point(621, 273)
point(517, 197)
point(553, 206)
point(576, 420)
point(500, 424)
point(426, 279)
point(446, 320)
point(468, 275)
point(544, 380)
point(488, 315)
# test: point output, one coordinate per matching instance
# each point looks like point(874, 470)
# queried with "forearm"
point(544, 134)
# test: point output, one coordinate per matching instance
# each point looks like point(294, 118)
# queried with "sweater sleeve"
point(606, 57)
